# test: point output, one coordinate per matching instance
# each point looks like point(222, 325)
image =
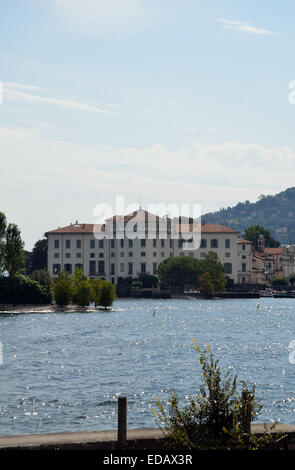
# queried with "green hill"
point(276, 213)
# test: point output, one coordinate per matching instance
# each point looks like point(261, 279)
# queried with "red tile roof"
point(75, 228)
point(241, 240)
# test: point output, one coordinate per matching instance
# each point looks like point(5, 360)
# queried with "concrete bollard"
point(122, 422)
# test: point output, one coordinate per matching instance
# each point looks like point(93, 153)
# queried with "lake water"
point(64, 371)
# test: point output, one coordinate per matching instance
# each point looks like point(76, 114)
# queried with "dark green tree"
point(176, 272)
point(37, 259)
point(108, 294)
point(252, 233)
point(206, 284)
point(211, 265)
point(13, 250)
point(3, 225)
point(63, 288)
point(96, 288)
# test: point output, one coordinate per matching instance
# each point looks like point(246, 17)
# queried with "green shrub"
point(108, 294)
point(23, 290)
point(280, 281)
point(217, 418)
point(63, 288)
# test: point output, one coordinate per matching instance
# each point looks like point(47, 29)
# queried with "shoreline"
point(48, 308)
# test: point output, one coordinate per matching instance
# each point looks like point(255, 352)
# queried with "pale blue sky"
point(158, 101)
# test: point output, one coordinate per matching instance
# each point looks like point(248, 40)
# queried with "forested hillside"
point(276, 213)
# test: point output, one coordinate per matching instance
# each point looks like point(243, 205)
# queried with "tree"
point(13, 250)
point(280, 281)
point(96, 288)
point(218, 418)
point(252, 234)
point(211, 265)
point(176, 272)
point(3, 224)
point(77, 277)
point(63, 288)
point(108, 294)
point(83, 293)
point(292, 279)
point(37, 259)
point(206, 284)
point(42, 276)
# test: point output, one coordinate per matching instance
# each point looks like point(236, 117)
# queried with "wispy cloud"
point(243, 27)
point(24, 93)
point(99, 16)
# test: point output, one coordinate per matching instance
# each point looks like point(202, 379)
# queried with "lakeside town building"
point(140, 242)
point(135, 244)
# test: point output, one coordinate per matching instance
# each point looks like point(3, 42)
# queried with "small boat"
point(266, 293)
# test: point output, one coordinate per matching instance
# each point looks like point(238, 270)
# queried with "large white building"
point(138, 247)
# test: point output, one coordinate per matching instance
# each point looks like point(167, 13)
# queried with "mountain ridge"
point(275, 212)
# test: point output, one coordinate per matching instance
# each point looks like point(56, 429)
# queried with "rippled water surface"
point(64, 371)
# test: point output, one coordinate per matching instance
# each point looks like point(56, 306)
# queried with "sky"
point(155, 101)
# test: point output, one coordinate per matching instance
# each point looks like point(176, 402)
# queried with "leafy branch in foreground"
point(217, 418)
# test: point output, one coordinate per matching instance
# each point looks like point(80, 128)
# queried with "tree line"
point(24, 278)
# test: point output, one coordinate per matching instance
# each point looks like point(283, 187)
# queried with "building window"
point(55, 268)
point(142, 253)
point(68, 255)
point(227, 268)
point(101, 267)
point(130, 254)
point(244, 267)
point(244, 247)
point(92, 270)
point(78, 266)
point(203, 243)
point(92, 244)
point(112, 254)
point(130, 268)
point(92, 255)
point(154, 253)
point(227, 243)
point(143, 268)
point(162, 254)
point(203, 255)
point(130, 243)
point(191, 254)
point(79, 255)
point(121, 267)
point(227, 255)
point(56, 255)
point(154, 268)
point(68, 268)
point(68, 243)
point(180, 243)
point(113, 280)
point(100, 243)
point(162, 243)
point(112, 243)
point(78, 244)
point(181, 254)
point(171, 243)
point(244, 257)
point(142, 243)
point(214, 243)
point(154, 242)
point(122, 243)
point(101, 255)
point(112, 268)
point(56, 244)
